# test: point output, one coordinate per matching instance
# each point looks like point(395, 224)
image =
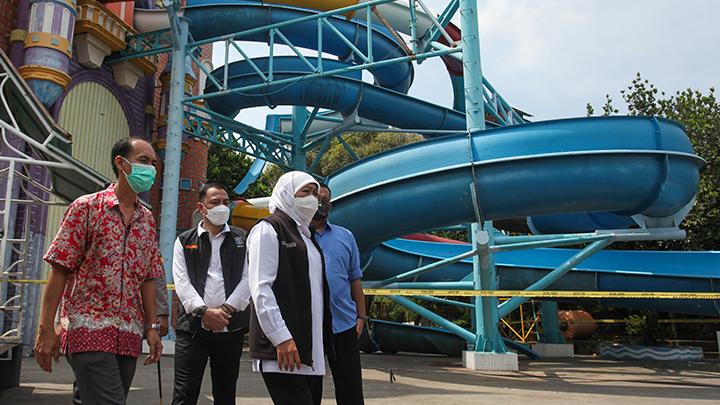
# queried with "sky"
point(551, 57)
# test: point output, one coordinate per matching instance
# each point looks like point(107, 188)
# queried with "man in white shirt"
point(211, 282)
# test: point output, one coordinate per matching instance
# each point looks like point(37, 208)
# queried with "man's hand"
point(47, 347)
point(288, 357)
point(164, 325)
point(215, 319)
point(359, 325)
point(156, 347)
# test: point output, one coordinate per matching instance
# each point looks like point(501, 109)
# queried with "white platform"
point(490, 361)
point(551, 350)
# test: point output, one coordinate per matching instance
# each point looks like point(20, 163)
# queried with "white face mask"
point(219, 215)
point(306, 207)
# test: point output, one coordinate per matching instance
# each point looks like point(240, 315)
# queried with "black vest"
point(197, 251)
point(292, 293)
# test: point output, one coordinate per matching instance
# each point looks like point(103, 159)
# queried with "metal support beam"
point(472, 70)
point(176, 116)
point(550, 324)
point(512, 304)
point(428, 267)
point(484, 278)
point(443, 20)
point(437, 300)
point(433, 317)
point(300, 118)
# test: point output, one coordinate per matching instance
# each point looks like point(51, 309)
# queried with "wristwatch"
point(155, 326)
point(199, 311)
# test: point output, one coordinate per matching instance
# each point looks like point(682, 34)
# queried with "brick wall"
point(194, 167)
point(8, 9)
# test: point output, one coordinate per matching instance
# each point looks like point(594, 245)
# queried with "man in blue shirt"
point(347, 301)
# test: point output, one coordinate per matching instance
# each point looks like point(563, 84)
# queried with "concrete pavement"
point(414, 379)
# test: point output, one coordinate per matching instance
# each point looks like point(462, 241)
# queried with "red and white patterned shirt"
point(102, 306)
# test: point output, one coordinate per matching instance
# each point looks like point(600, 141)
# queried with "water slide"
point(618, 168)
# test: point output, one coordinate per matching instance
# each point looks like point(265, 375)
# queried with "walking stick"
point(159, 381)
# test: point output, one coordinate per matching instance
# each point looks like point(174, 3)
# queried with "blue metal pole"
point(299, 118)
point(550, 324)
point(472, 71)
point(484, 278)
point(439, 300)
point(433, 317)
point(486, 314)
point(513, 303)
point(427, 268)
point(425, 285)
point(171, 177)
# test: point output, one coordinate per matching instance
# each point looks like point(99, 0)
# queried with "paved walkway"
point(437, 380)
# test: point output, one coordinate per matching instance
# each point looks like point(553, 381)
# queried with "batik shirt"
point(109, 262)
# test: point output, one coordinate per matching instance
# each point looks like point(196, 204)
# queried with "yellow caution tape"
point(549, 294)
point(619, 321)
point(679, 295)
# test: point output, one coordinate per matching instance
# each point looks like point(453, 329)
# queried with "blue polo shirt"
point(342, 266)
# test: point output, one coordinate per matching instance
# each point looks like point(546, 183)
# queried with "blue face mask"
point(141, 178)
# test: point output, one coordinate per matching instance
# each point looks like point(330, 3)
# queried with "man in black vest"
point(211, 282)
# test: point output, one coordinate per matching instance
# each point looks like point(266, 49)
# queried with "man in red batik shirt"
point(107, 246)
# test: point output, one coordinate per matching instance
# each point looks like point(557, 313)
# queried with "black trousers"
point(294, 389)
point(191, 355)
point(103, 378)
point(346, 369)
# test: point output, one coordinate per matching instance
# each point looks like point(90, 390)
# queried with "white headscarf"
point(283, 196)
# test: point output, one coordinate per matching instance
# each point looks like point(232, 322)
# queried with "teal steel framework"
point(289, 150)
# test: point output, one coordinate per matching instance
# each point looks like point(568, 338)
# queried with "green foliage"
point(363, 144)
point(229, 167)
point(635, 325)
point(700, 114)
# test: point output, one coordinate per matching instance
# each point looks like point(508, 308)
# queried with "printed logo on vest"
point(239, 242)
point(288, 245)
point(191, 247)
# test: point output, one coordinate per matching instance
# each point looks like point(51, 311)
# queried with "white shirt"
point(263, 263)
point(214, 295)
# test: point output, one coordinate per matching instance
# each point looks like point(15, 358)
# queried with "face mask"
point(141, 178)
point(306, 207)
point(322, 212)
point(219, 215)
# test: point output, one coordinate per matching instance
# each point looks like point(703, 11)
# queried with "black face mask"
point(322, 213)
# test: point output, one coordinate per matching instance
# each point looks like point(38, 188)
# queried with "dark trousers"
point(192, 352)
point(103, 378)
point(346, 369)
point(294, 389)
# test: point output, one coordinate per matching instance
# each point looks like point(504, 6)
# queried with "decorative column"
point(48, 48)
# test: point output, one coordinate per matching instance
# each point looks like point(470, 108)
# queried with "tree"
point(228, 167)
point(700, 114)
point(363, 144)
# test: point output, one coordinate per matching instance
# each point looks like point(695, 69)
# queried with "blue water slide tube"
point(609, 270)
point(631, 165)
point(344, 93)
point(213, 18)
point(272, 123)
point(585, 222)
